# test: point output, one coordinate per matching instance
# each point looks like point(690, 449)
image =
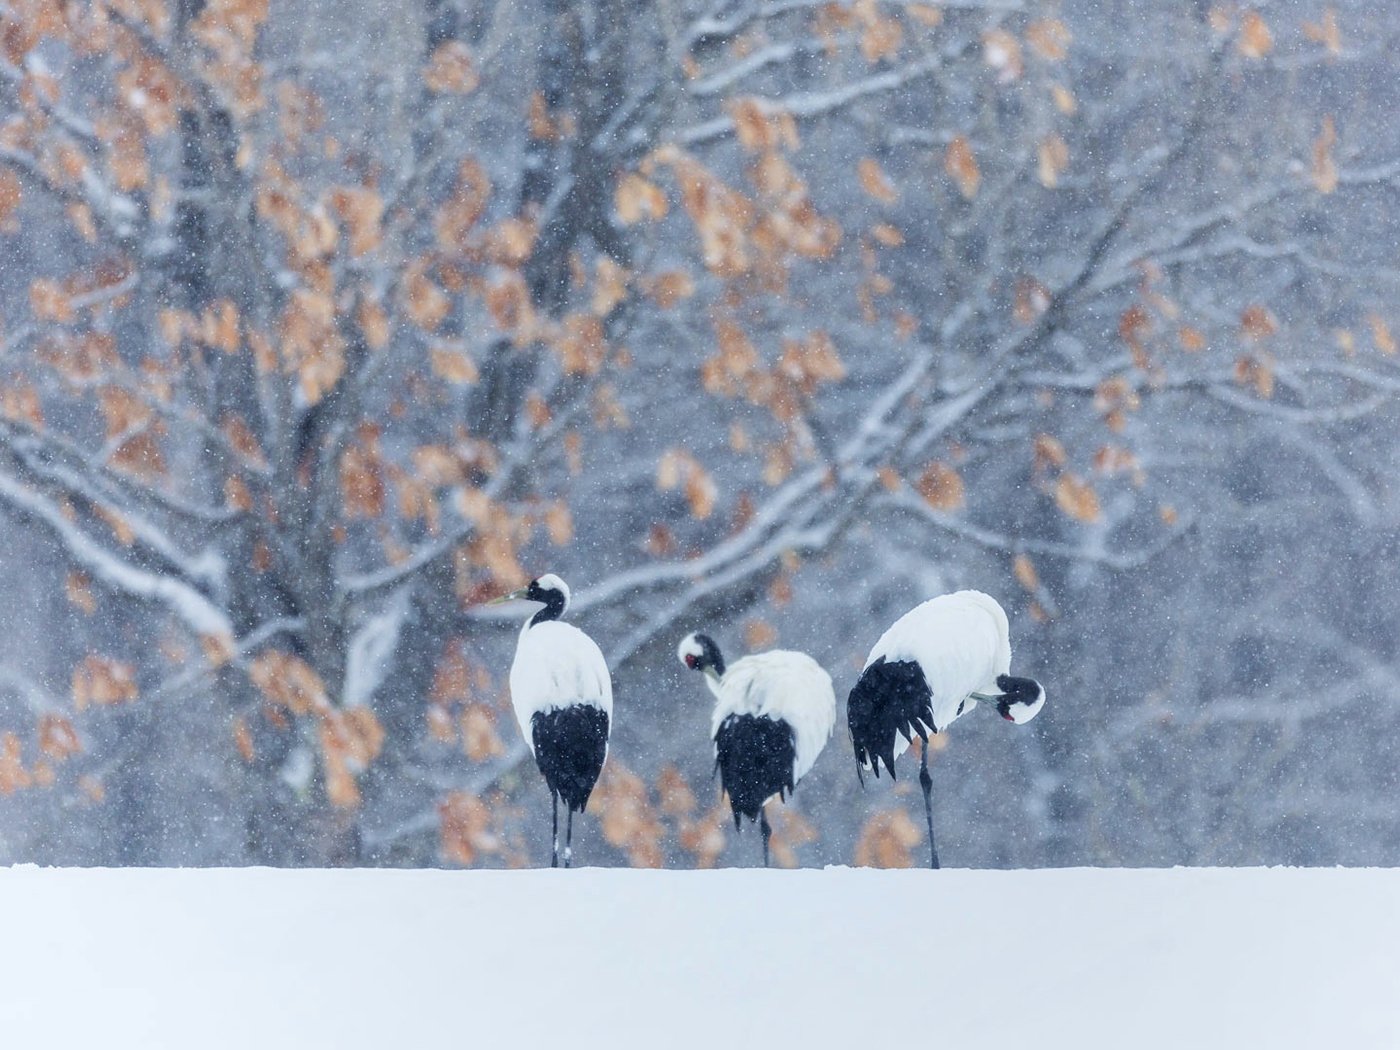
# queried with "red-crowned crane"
point(935, 663)
point(774, 712)
point(562, 695)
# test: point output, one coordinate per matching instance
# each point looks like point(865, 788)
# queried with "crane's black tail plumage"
point(754, 755)
point(889, 698)
point(571, 743)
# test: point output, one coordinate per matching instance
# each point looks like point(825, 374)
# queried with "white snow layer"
point(257, 958)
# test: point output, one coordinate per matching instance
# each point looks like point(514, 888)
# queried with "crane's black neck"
point(710, 656)
point(554, 603)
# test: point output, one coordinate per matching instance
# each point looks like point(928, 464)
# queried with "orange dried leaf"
point(425, 303)
point(886, 840)
point(99, 680)
point(609, 286)
point(78, 587)
point(440, 724)
point(762, 126)
point(459, 215)
point(452, 365)
point(660, 542)
point(1032, 298)
point(875, 183)
point(961, 166)
point(341, 789)
point(559, 523)
point(1256, 370)
point(464, 828)
point(880, 37)
point(219, 327)
point(13, 775)
point(1002, 52)
point(218, 648)
point(1064, 100)
point(50, 302)
point(941, 487)
point(11, 193)
point(669, 288)
point(677, 800)
point(705, 837)
point(452, 678)
point(1076, 498)
point(355, 733)
point(362, 487)
point(57, 737)
point(289, 682)
point(582, 344)
point(479, 738)
point(451, 70)
point(1133, 325)
point(1257, 323)
point(759, 634)
point(1053, 159)
point(140, 456)
point(701, 492)
point(790, 831)
point(1049, 38)
point(20, 403)
point(1324, 167)
point(1255, 39)
point(637, 199)
point(925, 14)
point(510, 241)
point(243, 739)
point(627, 817)
point(1380, 334)
point(1327, 32)
point(1024, 570)
point(362, 210)
point(887, 234)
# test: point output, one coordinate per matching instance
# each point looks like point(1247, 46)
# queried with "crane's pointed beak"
point(512, 596)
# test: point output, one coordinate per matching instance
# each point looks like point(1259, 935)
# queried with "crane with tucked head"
point(774, 712)
point(934, 664)
point(562, 695)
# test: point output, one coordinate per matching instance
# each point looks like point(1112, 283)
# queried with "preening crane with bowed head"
point(774, 712)
point(934, 664)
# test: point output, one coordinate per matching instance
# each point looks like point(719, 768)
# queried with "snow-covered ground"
point(1185, 958)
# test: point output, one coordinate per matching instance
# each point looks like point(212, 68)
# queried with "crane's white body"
point(785, 686)
point(962, 643)
point(556, 665)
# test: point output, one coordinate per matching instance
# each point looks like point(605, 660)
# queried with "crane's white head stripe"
point(550, 582)
point(690, 651)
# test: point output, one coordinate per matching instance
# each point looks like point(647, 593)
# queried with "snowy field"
point(1188, 958)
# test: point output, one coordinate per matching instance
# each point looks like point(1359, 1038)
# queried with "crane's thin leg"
point(926, 782)
point(555, 862)
point(569, 841)
point(764, 827)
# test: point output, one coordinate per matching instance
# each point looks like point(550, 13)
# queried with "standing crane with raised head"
point(562, 695)
point(774, 712)
point(935, 663)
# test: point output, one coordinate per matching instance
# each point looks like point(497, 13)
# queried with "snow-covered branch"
point(810, 105)
point(1119, 561)
point(185, 601)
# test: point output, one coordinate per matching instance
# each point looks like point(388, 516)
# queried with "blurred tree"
point(324, 324)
